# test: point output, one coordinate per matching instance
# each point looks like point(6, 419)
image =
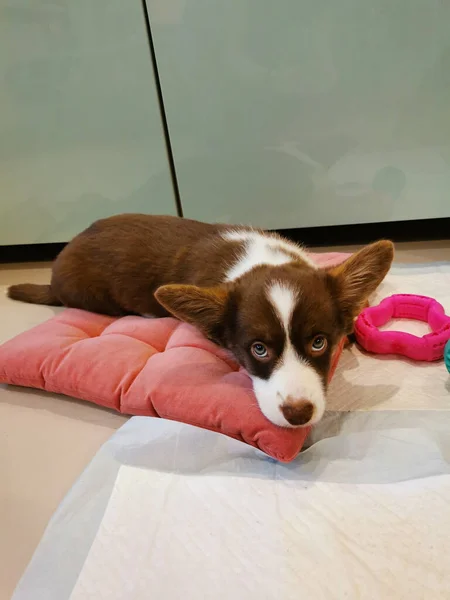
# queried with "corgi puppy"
point(254, 293)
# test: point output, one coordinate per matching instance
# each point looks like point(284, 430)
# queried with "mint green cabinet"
point(302, 113)
point(80, 129)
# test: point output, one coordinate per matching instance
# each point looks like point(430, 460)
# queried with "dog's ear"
point(359, 276)
point(202, 307)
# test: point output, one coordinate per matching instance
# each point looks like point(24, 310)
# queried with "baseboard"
point(364, 233)
point(335, 235)
point(30, 252)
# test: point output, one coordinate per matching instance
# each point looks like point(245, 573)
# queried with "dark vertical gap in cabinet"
point(162, 110)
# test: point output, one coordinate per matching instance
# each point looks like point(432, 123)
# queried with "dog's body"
point(252, 292)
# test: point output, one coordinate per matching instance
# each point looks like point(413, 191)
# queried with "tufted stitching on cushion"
point(219, 353)
point(131, 337)
point(231, 364)
point(151, 349)
point(150, 326)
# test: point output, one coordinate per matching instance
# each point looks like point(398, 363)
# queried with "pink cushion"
point(155, 367)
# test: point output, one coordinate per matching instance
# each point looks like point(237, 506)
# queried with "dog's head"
point(283, 323)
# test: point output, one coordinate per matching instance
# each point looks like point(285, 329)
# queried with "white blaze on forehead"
point(293, 378)
point(283, 299)
point(263, 249)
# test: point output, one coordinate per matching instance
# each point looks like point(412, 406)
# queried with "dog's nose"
point(297, 412)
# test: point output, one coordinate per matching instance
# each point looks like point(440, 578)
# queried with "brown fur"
point(358, 277)
point(115, 265)
point(34, 294)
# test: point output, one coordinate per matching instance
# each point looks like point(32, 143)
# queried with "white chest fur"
point(262, 249)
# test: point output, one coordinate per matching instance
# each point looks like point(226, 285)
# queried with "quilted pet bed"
point(155, 367)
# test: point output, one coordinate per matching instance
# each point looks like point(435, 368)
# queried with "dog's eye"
point(260, 351)
point(318, 345)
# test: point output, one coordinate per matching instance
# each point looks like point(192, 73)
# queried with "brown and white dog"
point(252, 292)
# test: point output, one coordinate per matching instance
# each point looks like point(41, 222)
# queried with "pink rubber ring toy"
point(429, 347)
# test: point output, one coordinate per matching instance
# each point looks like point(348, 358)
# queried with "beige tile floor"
point(46, 441)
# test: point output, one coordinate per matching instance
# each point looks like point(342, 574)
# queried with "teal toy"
point(447, 355)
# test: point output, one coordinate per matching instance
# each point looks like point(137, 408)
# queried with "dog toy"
point(447, 356)
point(429, 347)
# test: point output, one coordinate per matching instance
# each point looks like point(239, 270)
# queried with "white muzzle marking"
point(293, 379)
